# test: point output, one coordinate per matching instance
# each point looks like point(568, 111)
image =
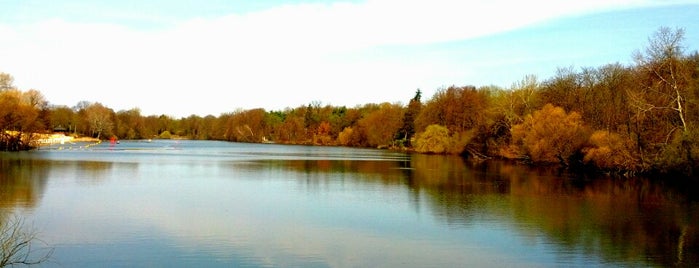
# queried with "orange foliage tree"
point(611, 151)
point(550, 135)
point(382, 125)
point(19, 115)
point(463, 111)
point(245, 125)
point(323, 134)
point(457, 108)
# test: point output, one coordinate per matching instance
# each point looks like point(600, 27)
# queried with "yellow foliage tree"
point(436, 139)
point(345, 137)
point(165, 135)
point(380, 126)
point(550, 135)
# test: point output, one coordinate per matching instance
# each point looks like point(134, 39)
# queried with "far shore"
point(60, 138)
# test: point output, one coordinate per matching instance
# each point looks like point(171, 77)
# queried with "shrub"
point(436, 139)
point(550, 135)
point(611, 151)
point(681, 154)
point(165, 135)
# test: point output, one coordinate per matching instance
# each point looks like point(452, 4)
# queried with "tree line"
point(615, 118)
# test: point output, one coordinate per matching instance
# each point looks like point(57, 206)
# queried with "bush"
point(165, 135)
point(436, 139)
point(681, 154)
point(611, 151)
point(550, 135)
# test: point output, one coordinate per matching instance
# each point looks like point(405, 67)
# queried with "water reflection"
point(250, 206)
point(22, 181)
point(623, 220)
point(619, 219)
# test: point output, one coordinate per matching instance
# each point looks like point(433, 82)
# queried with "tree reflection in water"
point(624, 220)
point(22, 182)
point(618, 219)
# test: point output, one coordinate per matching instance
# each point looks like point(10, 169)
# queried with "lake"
point(173, 203)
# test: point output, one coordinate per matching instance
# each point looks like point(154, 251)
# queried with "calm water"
point(208, 204)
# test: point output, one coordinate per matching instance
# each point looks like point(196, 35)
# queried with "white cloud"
point(284, 56)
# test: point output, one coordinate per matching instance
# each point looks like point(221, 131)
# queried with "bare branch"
point(16, 242)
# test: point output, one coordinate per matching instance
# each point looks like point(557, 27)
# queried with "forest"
point(617, 119)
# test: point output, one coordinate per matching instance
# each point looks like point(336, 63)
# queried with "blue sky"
point(210, 57)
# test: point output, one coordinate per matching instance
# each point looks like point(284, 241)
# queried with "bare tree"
point(667, 78)
point(6, 81)
point(16, 241)
point(99, 118)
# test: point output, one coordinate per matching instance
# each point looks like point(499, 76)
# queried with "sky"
point(183, 57)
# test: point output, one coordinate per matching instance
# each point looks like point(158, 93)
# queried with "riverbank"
point(59, 138)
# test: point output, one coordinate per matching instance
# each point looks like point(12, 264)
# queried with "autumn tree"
point(340, 118)
point(508, 107)
point(151, 126)
point(348, 137)
point(550, 135)
point(323, 134)
point(202, 128)
point(666, 80)
point(666, 89)
point(564, 90)
point(312, 118)
point(411, 112)
point(166, 123)
point(381, 125)
point(246, 126)
point(272, 123)
point(190, 127)
point(99, 119)
point(11, 121)
point(607, 101)
point(435, 139)
point(611, 151)
point(438, 139)
point(62, 116)
point(6, 81)
point(457, 108)
point(19, 115)
point(292, 130)
point(129, 124)
point(524, 98)
point(331, 122)
point(463, 111)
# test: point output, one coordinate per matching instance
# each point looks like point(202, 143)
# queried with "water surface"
point(207, 204)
